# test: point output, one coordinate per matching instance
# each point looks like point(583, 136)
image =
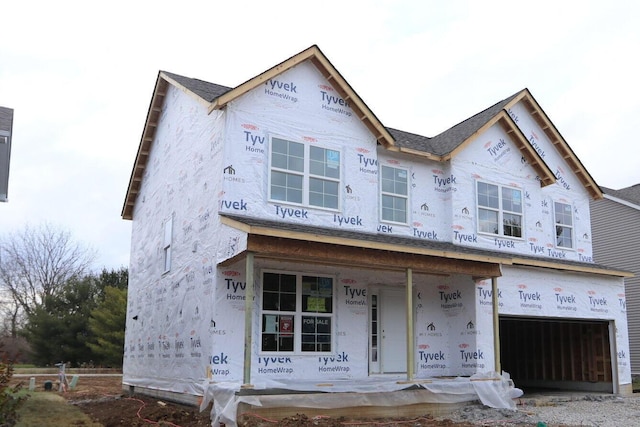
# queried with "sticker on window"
point(286, 325)
point(333, 158)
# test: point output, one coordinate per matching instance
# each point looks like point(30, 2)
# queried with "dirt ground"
point(103, 400)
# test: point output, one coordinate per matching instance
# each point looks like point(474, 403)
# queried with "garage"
point(557, 354)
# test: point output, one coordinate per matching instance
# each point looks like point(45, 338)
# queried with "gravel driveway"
point(569, 410)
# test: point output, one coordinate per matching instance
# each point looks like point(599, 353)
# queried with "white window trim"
point(501, 211)
point(408, 201)
point(297, 315)
point(572, 227)
point(306, 175)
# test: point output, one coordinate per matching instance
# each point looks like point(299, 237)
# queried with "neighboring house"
point(615, 238)
point(6, 129)
point(280, 231)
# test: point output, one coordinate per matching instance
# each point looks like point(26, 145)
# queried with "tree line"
point(50, 296)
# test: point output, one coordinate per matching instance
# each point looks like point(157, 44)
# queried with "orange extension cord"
point(147, 420)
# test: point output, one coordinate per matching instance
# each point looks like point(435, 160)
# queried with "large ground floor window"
point(297, 313)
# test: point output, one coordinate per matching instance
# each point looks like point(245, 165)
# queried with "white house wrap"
point(371, 254)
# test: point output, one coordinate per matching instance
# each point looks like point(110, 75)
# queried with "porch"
point(375, 397)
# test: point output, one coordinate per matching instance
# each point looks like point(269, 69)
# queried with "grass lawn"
point(47, 408)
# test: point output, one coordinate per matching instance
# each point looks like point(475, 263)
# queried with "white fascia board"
point(622, 201)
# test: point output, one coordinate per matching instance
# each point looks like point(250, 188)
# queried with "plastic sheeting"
point(496, 391)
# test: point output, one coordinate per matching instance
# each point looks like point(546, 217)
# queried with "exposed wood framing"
point(148, 134)
point(358, 106)
point(410, 337)
point(332, 254)
point(248, 318)
point(542, 120)
point(338, 83)
point(502, 119)
point(554, 350)
point(582, 268)
point(495, 309)
point(419, 153)
point(188, 92)
point(336, 250)
point(528, 152)
point(363, 244)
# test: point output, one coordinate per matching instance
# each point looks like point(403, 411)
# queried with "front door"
point(393, 331)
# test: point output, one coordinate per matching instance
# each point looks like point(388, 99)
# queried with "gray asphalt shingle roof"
point(630, 194)
point(205, 90)
point(448, 140)
point(440, 145)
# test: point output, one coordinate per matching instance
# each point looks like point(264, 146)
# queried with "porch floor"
point(381, 396)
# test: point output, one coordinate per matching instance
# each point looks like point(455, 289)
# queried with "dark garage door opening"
point(556, 354)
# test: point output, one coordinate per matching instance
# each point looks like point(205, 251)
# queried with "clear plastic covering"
point(492, 389)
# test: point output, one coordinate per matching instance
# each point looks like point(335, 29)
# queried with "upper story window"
point(304, 174)
point(297, 313)
point(499, 210)
point(564, 224)
point(394, 186)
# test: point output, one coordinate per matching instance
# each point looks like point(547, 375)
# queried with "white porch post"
point(410, 340)
point(248, 318)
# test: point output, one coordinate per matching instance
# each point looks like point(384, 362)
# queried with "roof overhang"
point(542, 120)
point(545, 174)
point(148, 134)
point(313, 54)
point(339, 84)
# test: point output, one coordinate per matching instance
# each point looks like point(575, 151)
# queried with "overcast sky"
point(80, 75)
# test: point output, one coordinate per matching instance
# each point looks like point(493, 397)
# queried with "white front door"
point(393, 331)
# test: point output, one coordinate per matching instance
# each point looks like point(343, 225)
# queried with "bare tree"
point(35, 263)
point(11, 315)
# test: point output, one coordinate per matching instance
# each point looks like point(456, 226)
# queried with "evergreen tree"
point(58, 330)
point(107, 323)
point(83, 322)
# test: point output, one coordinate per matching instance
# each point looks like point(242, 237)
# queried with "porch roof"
point(274, 239)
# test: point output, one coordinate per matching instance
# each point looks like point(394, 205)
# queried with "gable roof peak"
point(216, 97)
